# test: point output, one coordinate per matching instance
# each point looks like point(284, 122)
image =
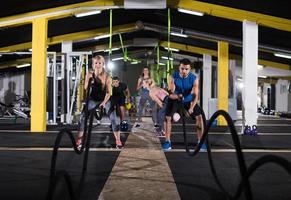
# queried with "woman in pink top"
point(160, 96)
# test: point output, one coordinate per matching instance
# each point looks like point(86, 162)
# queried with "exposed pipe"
point(209, 37)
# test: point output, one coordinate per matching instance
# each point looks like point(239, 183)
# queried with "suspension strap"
point(110, 38)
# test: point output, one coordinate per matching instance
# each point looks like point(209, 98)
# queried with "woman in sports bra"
point(99, 96)
point(144, 95)
point(160, 96)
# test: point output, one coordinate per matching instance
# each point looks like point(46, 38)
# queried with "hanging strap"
point(122, 48)
point(110, 33)
point(169, 42)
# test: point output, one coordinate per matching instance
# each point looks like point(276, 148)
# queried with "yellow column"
point(38, 75)
point(222, 78)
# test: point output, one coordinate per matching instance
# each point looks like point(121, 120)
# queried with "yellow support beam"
point(236, 14)
point(189, 48)
point(74, 37)
point(38, 75)
point(274, 64)
point(57, 12)
point(222, 80)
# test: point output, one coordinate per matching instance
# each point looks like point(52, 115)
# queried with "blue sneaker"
point(203, 148)
point(166, 146)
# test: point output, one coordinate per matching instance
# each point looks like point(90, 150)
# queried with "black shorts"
point(174, 106)
point(121, 102)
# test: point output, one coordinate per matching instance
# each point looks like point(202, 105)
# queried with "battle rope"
point(55, 177)
point(245, 172)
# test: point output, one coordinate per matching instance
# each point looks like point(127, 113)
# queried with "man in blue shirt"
point(183, 86)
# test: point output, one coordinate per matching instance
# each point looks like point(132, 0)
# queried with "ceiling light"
point(190, 12)
point(102, 36)
point(114, 49)
point(166, 58)
point(162, 64)
point(120, 58)
point(172, 49)
point(83, 14)
point(240, 85)
point(282, 55)
point(134, 62)
point(262, 76)
point(260, 67)
point(23, 65)
point(179, 34)
point(110, 66)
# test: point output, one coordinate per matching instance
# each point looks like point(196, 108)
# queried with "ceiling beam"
point(236, 14)
point(14, 63)
point(199, 50)
point(190, 49)
point(129, 28)
point(58, 12)
point(207, 8)
point(74, 36)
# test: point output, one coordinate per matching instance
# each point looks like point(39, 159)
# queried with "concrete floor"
point(25, 163)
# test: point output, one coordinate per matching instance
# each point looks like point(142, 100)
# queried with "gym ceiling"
point(222, 21)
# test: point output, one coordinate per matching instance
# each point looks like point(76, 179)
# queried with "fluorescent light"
point(179, 34)
point(31, 49)
point(190, 12)
point(240, 85)
point(282, 55)
point(114, 59)
point(166, 58)
point(114, 49)
point(23, 65)
point(260, 67)
point(172, 49)
point(83, 14)
point(162, 64)
point(134, 62)
point(102, 36)
point(262, 76)
point(110, 66)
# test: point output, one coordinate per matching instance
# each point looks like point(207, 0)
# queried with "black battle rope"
point(57, 176)
point(244, 171)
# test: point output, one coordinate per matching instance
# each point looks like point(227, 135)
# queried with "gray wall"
point(12, 84)
point(130, 76)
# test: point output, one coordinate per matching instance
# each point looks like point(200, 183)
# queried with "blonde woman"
point(99, 96)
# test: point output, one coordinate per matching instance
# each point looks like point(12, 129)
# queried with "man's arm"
point(171, 85)
point(171, 88)
point(195, 92)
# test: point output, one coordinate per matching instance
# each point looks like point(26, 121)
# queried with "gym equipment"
point(247, 130)
point(176, 117)
point(128, 106)
point(245, 172)
point(99, 113)
point(250, 130)
point(254, 130)
point(55, 176)
point(124, 125)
